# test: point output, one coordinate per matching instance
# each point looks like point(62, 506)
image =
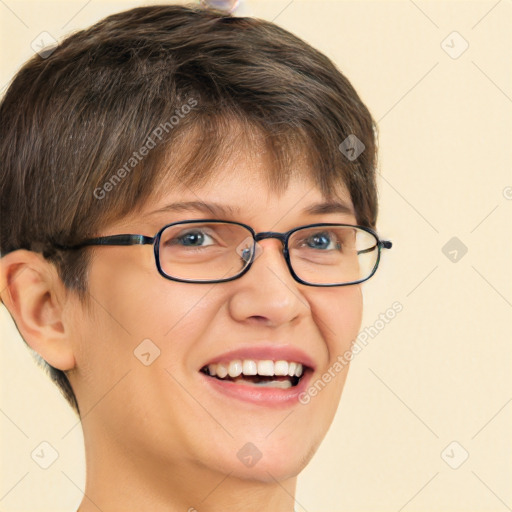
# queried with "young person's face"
point(169, 414)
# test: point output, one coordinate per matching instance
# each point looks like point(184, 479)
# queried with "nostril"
point(259, 318)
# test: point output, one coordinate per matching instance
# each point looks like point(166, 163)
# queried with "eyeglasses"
point(216, 251)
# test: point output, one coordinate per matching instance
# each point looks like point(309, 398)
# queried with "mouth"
point(259, 373)
point(266, 376)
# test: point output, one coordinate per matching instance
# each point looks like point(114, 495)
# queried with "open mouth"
point(258, 373)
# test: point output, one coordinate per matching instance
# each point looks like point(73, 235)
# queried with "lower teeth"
point(261, 381)
point(282, 384)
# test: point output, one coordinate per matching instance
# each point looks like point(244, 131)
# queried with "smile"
point(269, 375)
point(264, 373)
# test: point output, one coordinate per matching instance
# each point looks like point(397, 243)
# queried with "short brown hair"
point(74, 119)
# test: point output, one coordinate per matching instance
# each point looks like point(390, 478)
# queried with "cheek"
point(142, 309)
point(134, 301)
point(339, 315)
point(129, 318)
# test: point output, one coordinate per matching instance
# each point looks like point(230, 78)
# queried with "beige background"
point(441, 370)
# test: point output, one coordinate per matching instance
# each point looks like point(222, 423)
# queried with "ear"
point(36, 298)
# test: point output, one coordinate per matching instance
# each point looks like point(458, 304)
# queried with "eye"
point(324, 240)
point(193, 238)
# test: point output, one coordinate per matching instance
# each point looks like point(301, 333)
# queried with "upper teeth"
point(250, 367)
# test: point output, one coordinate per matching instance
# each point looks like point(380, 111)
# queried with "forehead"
point(243, 155)
point(241, 175)
point(239, 189)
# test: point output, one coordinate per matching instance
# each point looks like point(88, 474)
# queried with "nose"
point(267, 294)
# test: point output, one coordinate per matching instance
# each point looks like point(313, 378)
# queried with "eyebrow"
point(217, 209)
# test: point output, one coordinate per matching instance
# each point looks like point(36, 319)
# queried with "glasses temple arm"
point(384, 244)
point(111, 240)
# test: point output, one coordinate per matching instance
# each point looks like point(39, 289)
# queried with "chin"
point(267, 461)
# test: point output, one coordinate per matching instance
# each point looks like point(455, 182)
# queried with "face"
point(169, 411)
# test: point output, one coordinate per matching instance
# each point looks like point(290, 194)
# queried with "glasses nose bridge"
point(271, 234)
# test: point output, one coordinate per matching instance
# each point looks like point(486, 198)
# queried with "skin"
point(156, 437)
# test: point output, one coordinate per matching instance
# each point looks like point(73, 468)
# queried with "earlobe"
point(35, 296)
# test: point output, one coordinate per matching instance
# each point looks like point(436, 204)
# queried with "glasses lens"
point(333, 254)
point(205, 251)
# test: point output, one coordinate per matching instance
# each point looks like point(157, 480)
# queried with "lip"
point(264, 396)
point(267, 397)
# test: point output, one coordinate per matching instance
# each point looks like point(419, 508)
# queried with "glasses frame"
point(131, 239)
